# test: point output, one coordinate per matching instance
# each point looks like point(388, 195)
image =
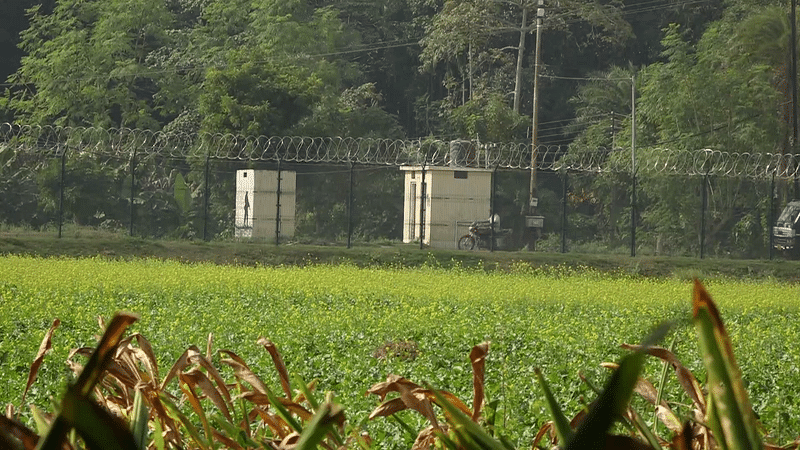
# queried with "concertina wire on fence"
point(54, 141)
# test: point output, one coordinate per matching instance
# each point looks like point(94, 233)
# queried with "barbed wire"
point(123, 143)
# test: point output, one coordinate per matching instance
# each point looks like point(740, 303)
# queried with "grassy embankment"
point(85, 243)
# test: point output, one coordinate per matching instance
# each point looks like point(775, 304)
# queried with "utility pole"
point(533, 195)
point(793, 84)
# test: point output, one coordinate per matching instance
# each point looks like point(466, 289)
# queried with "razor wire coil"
point(54, 141)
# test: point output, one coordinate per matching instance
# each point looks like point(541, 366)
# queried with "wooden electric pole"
point(533, 195)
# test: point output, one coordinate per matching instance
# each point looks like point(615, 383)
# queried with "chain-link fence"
point(346, 191)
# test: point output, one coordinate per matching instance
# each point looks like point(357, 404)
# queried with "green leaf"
point(323, 422)
point(615, 397)
point(176, 414)
point(139, 418)
point(725, 385)
point(76, 405)
point(467, 430)
point(236, 434)
point(306, 392)
point(563, 429)
point(283, 412)
point(98, 428)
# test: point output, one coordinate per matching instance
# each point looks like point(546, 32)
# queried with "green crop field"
point(331, 322)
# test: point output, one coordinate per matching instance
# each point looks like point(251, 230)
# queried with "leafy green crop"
point(328, 322)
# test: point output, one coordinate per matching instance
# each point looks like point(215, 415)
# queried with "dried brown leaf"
point(279, 365)
point(243, 373)
point(426, 438)
point(686, 379)
point(419, 401)
point(184, 361)
point(412, 395)
point(450, 397)
point(668, 418)
point(192, 356)
point(548, 427)
point(233, 356)
point(477, 357)
point(262, 400)
point(44, 347)
point(104, 353)
point(683, 439)
point(144, 355)
point(276, 424)
point(226, 441)
point(197, 379)
point(128, 376)
point(290, 441)
point(18, 430)
point(388, 408)
point(255, 398)
point(391, 385)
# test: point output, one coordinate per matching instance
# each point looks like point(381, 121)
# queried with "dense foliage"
point(708, 74)
point(334, 323)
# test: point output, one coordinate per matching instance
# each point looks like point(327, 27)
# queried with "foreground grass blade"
point(325, 421)
point(176, 414)
point(304, 389)
point(139, 416)
point(279, 365)
point(612, 403)
point(731, 404)
point(74, 405)
point(100, 429)
point(662, 385)
point(283, 412)
point(560, 421)
point(467, 430)
point(104, 352)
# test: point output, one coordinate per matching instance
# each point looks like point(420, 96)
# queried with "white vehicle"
point(784, 233)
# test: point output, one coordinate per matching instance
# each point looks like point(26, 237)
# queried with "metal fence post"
point(703, 208)
point(771, 216)
point(350, 208)
point(278, 206)
point(422, 194)
point(633, 215)
point(492, 191)
point(564, 214)
point(61, 191)
point(205, 200)
point(132, 210)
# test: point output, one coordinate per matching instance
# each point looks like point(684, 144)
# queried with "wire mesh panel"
point(340, 190)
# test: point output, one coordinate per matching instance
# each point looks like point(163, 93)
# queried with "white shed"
point(259, 203)
point(454, 197)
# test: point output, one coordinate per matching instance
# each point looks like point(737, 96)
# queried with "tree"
point(86, 64)
point(702, 97)
point(469, 40)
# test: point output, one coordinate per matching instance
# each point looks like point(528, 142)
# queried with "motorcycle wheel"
point(466, 242)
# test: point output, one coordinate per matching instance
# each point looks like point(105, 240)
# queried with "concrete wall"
point(257, 203)
point(453, 195)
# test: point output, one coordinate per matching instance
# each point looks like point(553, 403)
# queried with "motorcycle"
point(480, 236)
